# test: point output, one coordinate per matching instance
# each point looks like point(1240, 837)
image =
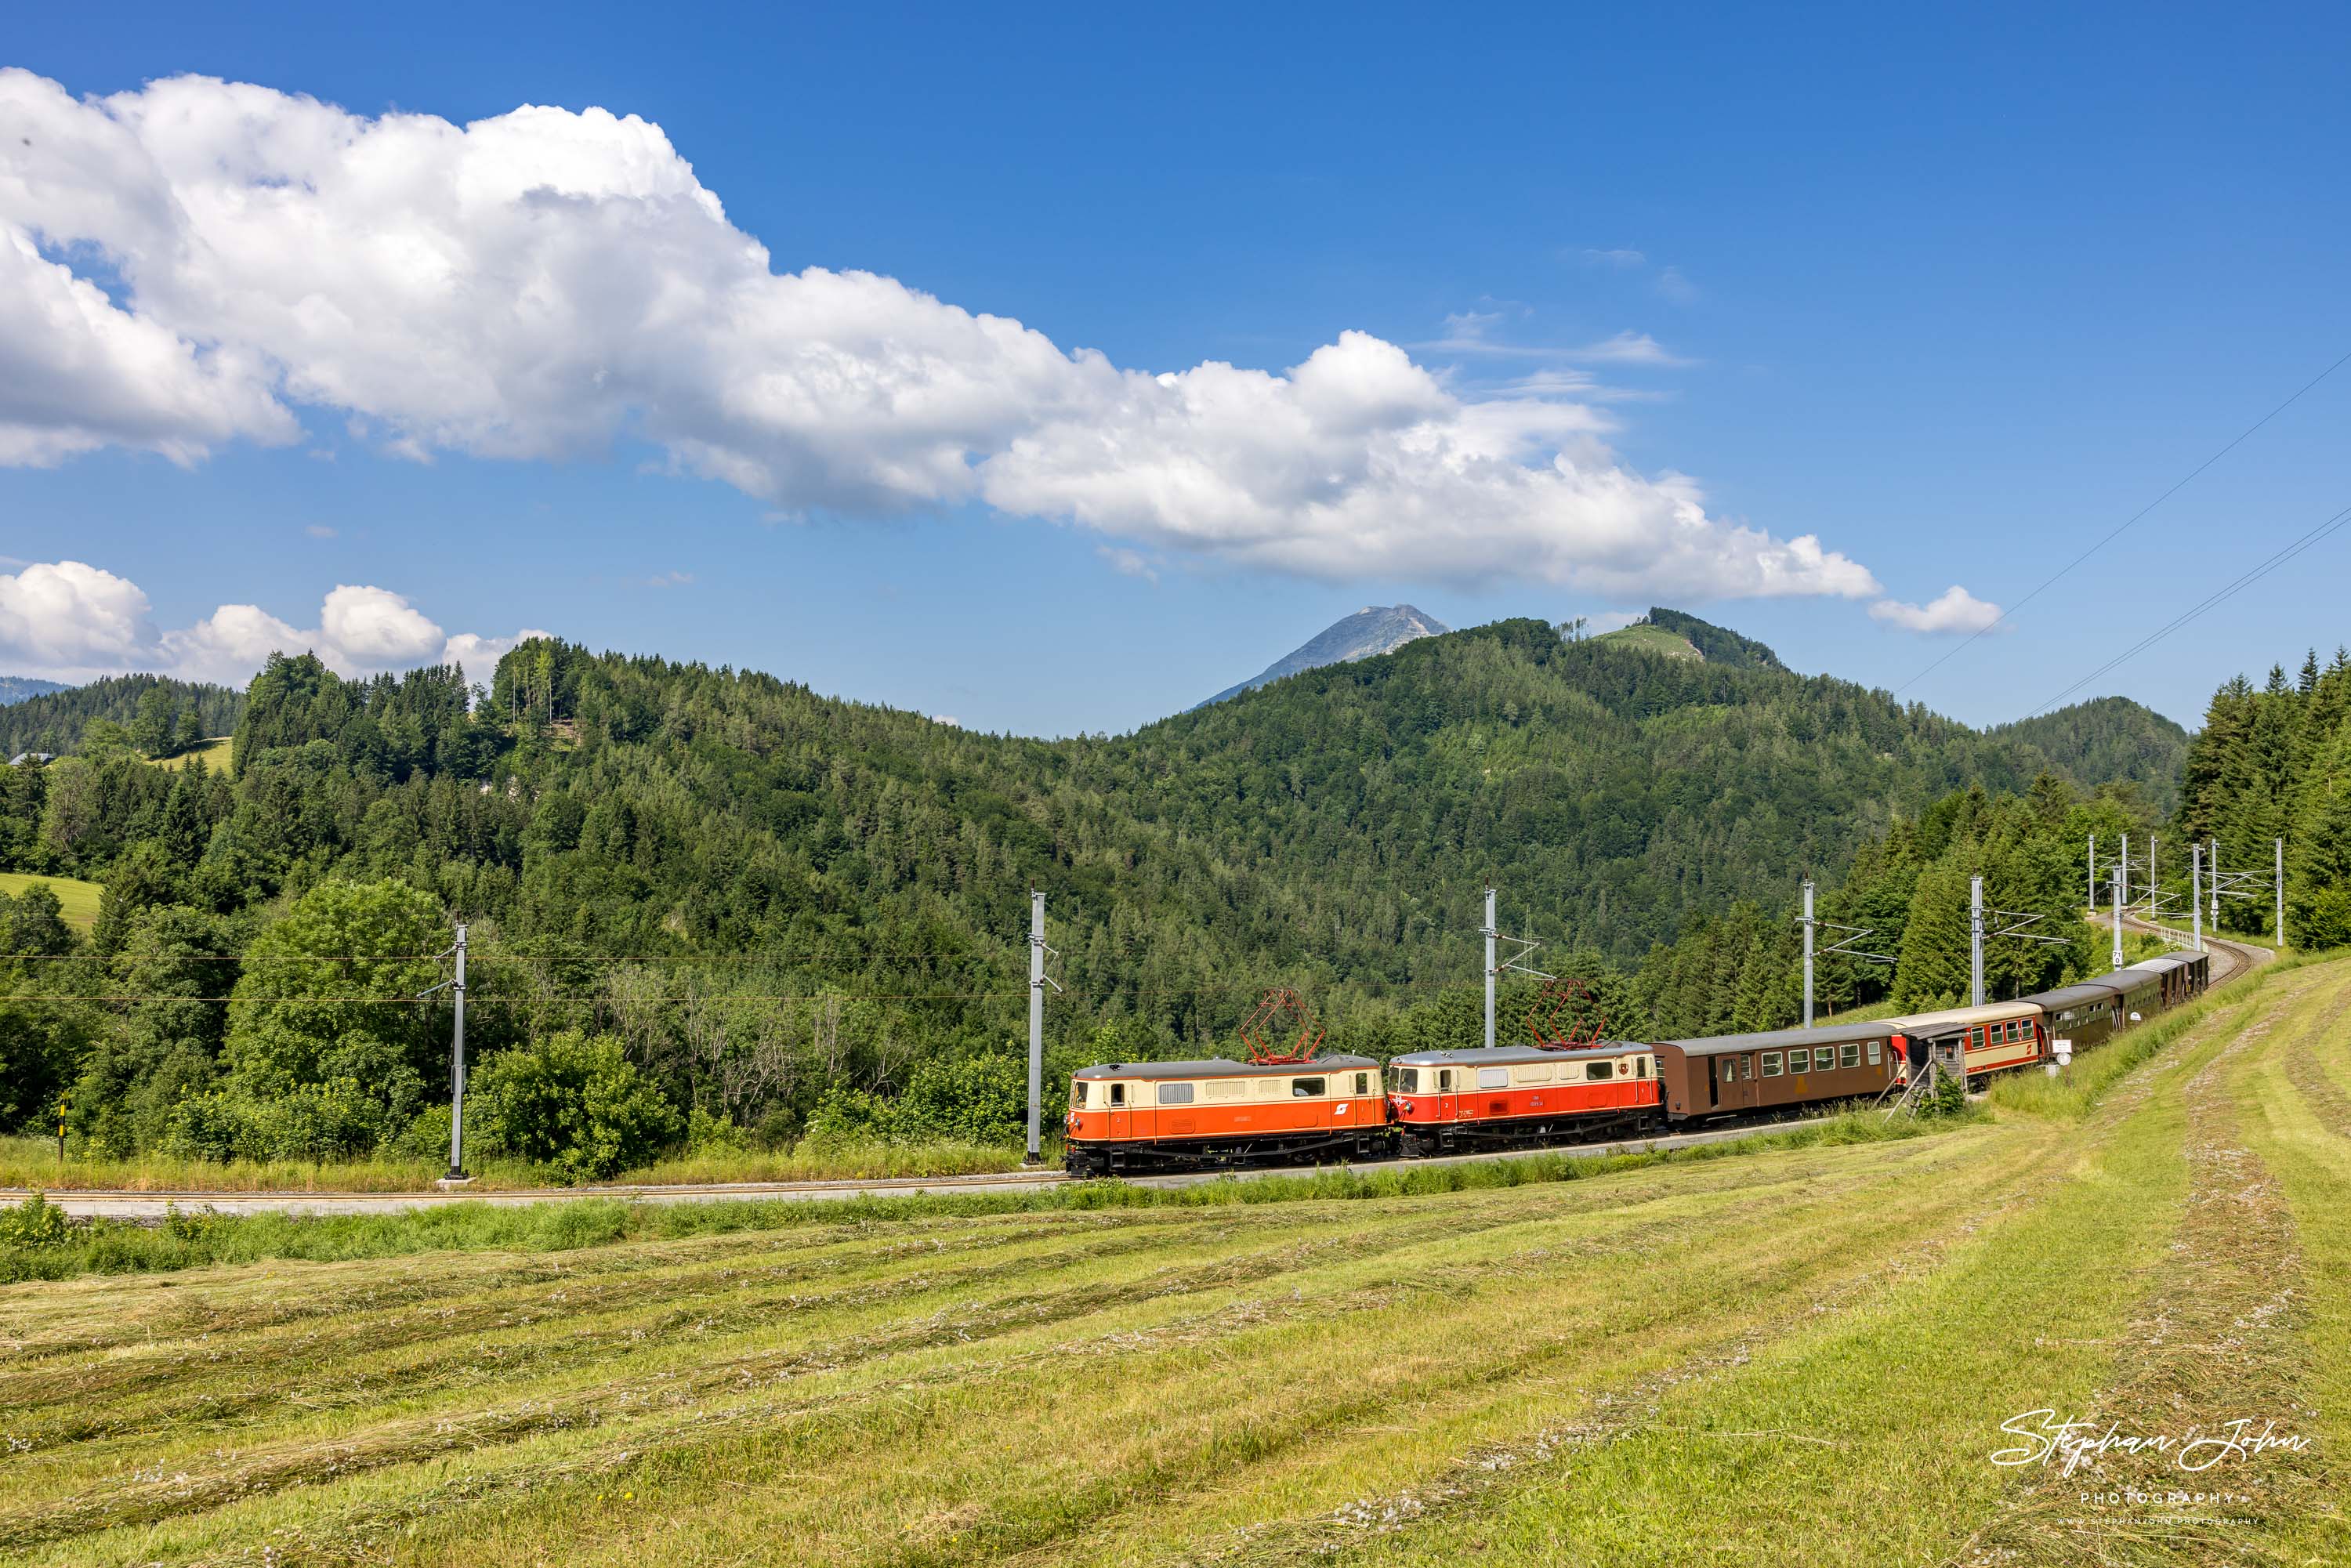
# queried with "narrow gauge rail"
point(1211, 1115)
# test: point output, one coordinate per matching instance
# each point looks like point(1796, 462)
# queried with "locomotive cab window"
point(1443, 1079)
point(1493, 1078)
point(1307, 1088)
point(1640, 1067)
point(1771, 1064)
point(1118, 1093)
point(1407, 1079)
point(1077, 1097)
point(1363, 1083)
point(1175, 1094)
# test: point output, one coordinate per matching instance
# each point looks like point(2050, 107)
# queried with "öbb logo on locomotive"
point(1285, 1102)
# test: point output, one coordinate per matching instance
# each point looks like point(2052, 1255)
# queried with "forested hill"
point(175, 714)
point(2109, 739)
point(771, 895)
point(1609, 791)
point(1338, 825)
point(16, 688)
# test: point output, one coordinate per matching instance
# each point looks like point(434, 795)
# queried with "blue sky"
point(1953, 295)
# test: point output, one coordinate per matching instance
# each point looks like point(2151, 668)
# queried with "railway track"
point(152, 1206)
point(2232, 961)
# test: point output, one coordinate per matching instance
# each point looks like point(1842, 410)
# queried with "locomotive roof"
point(1510, 1055)
point(1781, 1038)
point(1953, 1018)
point(1217, 1067)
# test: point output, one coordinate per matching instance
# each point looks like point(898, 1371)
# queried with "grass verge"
point(29, 1162)
point(202, 1238)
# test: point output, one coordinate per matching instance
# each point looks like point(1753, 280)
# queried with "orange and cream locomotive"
point(1443, 1101)
point(1145, 1115)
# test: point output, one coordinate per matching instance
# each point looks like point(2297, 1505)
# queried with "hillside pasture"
point(76, 901)
point(214, 756)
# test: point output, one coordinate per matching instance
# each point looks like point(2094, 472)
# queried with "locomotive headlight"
point(1405, 1106)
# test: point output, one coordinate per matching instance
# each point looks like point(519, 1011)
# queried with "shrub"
point(310, 1122)
point(709, 1134)
point(573, 1101)
point(977, 1100)
point(35, 1222)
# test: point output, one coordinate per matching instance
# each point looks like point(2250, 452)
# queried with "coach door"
point(1122, 1114)
point(1730, 1080)
point(1448, 1102)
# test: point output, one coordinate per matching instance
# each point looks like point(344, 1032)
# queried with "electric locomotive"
point(1442, 1101)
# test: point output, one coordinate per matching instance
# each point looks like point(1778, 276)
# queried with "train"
point(1300, 1107)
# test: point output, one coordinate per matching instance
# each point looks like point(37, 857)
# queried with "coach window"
point(1877, 1052)
point(1175, 1094)
point(1771, 1064)
point(1849, 1055)
point(1363, 1083)
point(1307, 1088)
point(1493, 1078)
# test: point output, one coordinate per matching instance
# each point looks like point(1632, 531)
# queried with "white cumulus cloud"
point(68, 620)
point(192, 262)
point(72, 616)
point(1954, 610)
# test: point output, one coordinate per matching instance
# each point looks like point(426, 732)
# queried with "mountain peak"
point(1373, 629)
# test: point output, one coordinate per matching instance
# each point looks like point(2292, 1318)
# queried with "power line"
point(2109, 538)
point(2219, 595)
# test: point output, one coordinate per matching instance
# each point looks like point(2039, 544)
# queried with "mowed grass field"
point(76, 901)
point(1797, 1355)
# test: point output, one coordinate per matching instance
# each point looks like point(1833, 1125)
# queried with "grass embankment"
point(33, 1162)
point(76, 901)
point(1801, 1354)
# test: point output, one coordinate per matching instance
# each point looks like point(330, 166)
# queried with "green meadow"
point(1801, 1351)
